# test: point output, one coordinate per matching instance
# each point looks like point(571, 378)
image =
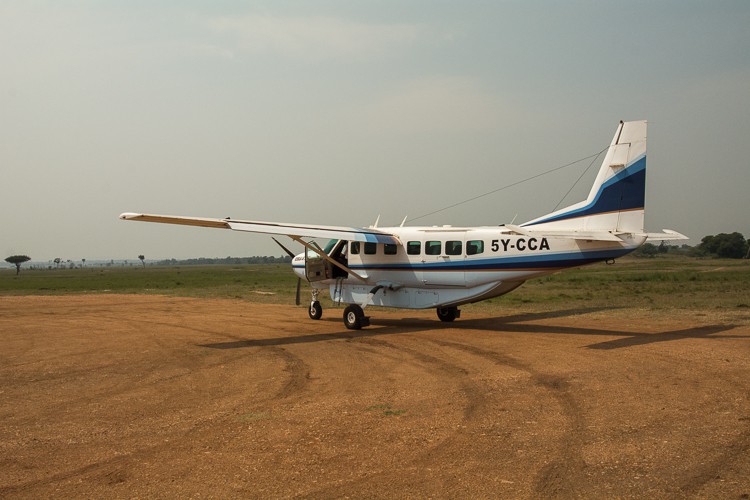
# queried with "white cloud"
point(313, 39)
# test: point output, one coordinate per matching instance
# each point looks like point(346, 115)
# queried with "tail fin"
point(615, 203)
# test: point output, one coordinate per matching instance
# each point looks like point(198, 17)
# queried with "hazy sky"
point(333, 112)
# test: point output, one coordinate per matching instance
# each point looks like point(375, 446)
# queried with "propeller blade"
point(288, 252)
point(299, 280)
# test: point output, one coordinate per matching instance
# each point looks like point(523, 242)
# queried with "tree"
point(647, 250)
point(143, 260)
point(728, 246)
point(17, 260)
point(57, 261)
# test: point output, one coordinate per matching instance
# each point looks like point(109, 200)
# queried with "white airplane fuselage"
point(449, 266)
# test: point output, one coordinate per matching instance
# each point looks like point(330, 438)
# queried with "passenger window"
point(453, 248)
point(414, 247)
point(371, 248)
point(390, 249)
point(474, 247)
point(355, 247)
point(432, 247)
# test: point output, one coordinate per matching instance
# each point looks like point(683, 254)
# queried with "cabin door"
point(316, 267)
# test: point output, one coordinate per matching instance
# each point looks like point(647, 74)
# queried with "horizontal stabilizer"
point(573, 234)
point(667, 235)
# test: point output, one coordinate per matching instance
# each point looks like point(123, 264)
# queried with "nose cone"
point(298, 265)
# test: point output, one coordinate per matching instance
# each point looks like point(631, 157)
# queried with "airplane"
point(444, 267)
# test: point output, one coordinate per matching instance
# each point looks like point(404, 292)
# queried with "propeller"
point(299, 280)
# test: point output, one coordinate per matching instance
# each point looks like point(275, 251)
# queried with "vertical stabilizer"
point(616, 201)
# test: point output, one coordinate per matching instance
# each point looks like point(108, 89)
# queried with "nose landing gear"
point(315, 311)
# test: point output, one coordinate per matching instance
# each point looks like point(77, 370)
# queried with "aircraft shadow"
point(511, 324)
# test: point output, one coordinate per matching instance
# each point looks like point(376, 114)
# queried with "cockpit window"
point(313, 255)
point(355, 248)
point(329, 246)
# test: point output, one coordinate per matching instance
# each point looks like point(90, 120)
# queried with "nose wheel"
point(315, 311)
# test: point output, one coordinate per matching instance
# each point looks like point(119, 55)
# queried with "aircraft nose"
point(298, 265)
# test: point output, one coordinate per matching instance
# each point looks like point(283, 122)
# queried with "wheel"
point(354, 317)
point(447, 314)
point(315, 311)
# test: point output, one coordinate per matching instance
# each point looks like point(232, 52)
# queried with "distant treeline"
point(722, 245)
point(201, 261)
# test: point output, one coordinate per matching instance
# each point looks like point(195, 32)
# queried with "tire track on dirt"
point(113, 470)
point(444, 371)
point(695, 479)
point(472, 390)
point(563, 476)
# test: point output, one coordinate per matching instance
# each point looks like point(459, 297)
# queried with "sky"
point(337, 112)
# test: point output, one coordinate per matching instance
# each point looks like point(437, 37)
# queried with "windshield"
point(330, 246)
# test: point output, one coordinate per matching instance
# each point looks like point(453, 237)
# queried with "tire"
point(447, 314)
point(353, 317)
point(315, 310)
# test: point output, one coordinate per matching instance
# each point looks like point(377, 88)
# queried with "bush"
point(728, 246)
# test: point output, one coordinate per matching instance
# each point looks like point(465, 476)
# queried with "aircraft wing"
point(292, 230)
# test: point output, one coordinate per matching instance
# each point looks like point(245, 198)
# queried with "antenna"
point(376, 221)
point(403, 221)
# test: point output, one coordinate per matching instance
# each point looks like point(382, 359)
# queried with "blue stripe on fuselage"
point(624, 191)
point(547, 261)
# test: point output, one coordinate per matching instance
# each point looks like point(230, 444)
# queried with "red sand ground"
point(143, 396)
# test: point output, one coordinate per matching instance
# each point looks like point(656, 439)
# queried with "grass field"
point(657, 283)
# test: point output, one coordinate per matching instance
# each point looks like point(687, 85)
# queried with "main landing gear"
point(354, 314)
point(354, 317)
point(448, 314)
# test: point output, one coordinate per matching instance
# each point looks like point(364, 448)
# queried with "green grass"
point(661, 282)
point(256, 282)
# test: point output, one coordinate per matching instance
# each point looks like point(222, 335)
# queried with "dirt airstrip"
point(144, 396)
